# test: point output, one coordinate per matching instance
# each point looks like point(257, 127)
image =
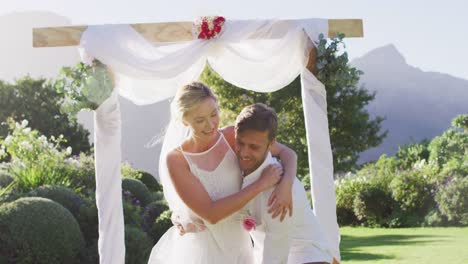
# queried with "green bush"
point(133, 212)
point(8, 196)
point(88, 217)
point(150, 181)
point(452, 200)
point(435, 218)
point(381, 172)
point(83, 174)
point(158, 196)
point(5, 179)
point(451, 144)
point(306, 182)
point(346, 189)
point(460, 122)
point(413, 192)
point(373, 205)
point(35, 160)
point(404, 218)
point(151, 212)
point(37, 101)
point(138, 190)
point(454, 167)
point(38, 230)
point(137, 246)
point(409, 154)
point(62, 195)
point(161, 225)
point(91, 252)
point(129, 172)
point(345, 216)
point(146, 178)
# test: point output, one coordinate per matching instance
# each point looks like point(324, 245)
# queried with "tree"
point(351, 129)
point(38, 102)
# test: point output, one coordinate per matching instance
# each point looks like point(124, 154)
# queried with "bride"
point(205, 175)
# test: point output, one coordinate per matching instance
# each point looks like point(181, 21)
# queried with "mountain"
point(415, 103)
point(19, 58)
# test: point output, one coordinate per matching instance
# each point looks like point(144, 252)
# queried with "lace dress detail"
point(217, 169)
point(224, 242)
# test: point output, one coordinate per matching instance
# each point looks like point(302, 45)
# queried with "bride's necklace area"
point(201, 145)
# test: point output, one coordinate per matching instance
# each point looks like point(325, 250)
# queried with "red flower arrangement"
point(208, 27)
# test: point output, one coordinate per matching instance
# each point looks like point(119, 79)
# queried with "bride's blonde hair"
point(189, 96)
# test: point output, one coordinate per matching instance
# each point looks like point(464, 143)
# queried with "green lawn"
point(405, 245)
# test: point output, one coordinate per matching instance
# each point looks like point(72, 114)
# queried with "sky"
point(432, 35)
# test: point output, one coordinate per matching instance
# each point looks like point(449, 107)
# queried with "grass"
point(405, 245)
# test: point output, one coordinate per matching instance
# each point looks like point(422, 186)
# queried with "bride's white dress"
point(224, 242)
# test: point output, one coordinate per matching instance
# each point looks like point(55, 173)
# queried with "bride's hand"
point(194, 226)
point(270, 176)
point(280, 200)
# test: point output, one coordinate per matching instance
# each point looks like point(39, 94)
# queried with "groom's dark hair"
point(259, 117)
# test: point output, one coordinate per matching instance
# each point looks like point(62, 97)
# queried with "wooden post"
point(312, 62)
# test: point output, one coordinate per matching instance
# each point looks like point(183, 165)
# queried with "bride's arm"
point(281, 198)
point(194, 195)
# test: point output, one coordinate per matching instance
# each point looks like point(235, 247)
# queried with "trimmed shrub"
point(38, 230)
point(452, 200)
point(137, 246)
point(150, 181)
point(146, 178)
point(91, 252)
point(158, 196)
point(161, 225)
point(138, 190)
point(62, 195)
point(9, 197)
point(5, 179)
point(133, 213)
point(88, 217)
point(152, 212)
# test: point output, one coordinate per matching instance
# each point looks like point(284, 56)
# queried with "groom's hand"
point(280, 200)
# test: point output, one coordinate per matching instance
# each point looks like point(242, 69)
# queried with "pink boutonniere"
point(248, 222)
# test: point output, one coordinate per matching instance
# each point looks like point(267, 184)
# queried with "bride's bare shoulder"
point(229, 134)
point(228, 131)
point(175, 158)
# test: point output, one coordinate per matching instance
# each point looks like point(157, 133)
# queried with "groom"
point(293, 240)
point(297, 239)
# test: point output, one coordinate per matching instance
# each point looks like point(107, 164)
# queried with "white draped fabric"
point(258, 55)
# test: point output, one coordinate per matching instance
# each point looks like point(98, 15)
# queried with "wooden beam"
point(350, 27)
point(165, 32)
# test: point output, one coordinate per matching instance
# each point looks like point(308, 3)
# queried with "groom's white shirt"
point(298, 239)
